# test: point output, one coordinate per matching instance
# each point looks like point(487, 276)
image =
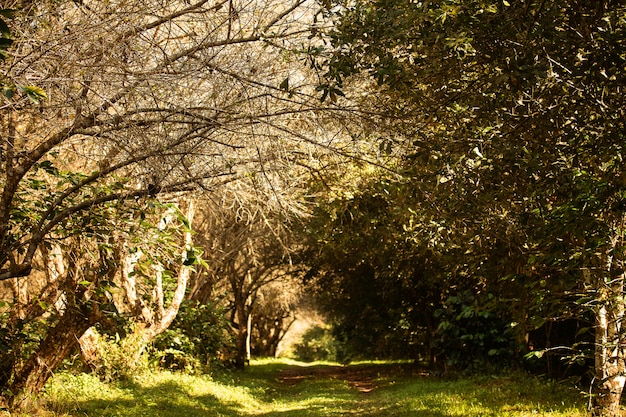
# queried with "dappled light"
point(288, 388)
point(418, 206)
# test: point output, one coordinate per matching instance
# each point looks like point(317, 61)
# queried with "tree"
point(118, 102)
point(517, 117)
point(130, 112)
point(273, 314)
point(247, 252)
point(89, 282)
point(152, 272)
point(380, 287)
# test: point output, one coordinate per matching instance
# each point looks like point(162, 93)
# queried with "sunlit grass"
point(507, 396)
point(259, 392)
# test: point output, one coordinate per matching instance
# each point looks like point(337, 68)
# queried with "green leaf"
point(34, 93)
point(7, 12)
point(534, 354)
point(4, 28)
point(285, 84)
point(5, 43)
point(8, 92)
point(182, 218)
point(190, 258)
point(49, 167)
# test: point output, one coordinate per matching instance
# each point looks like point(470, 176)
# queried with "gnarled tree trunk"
point(155, 316)
point(241, 315)
point(31, 378)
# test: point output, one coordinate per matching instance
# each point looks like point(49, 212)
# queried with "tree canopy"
point(510, 125)
point(455, 170)
point(113, 111)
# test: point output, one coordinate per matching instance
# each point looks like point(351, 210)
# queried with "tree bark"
point(609, 362)
point(89, 344)
point(31, 378)
point(609, 340)
point(242, 332)
point(153, 323)
point(248, 338)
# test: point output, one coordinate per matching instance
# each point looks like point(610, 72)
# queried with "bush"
point(471, 333)
point(116, 358)
point(318, 344)
point(194, 340)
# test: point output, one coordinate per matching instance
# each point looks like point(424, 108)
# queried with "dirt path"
point(361, 377)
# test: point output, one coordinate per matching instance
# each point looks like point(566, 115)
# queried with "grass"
point(320, 392)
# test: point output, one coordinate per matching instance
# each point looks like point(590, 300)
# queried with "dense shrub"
point(195, 340)
point(471, 334)
point(122, 358)
point(318, 344)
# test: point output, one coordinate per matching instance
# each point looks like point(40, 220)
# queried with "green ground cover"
point(289, 389)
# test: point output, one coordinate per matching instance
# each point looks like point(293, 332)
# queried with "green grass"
point(258, 392)
point(513, 396)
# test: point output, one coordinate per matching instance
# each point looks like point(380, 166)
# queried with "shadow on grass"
point(515, 394)
point(174, 400)
point(265, 390)
point(166, 399)
point(256, 392)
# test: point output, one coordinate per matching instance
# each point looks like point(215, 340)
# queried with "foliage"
point(82, 285)
point(5, 33)
point(472, 336)
point(317, 344)
point(510, 123)
point(18, 341)
point(369, 275)
point(195, 340)
point(120, 357)
point(521, 111)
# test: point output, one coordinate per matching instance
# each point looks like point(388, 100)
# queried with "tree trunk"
point(240, 324)
point(240, 346)
point(240, 342)
point(609, 340)
point(609, 362)
point(89, 344)
point(156, 318)
point(248, 338)
point(31, 378)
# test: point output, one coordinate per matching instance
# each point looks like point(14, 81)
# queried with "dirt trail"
point(361, 377)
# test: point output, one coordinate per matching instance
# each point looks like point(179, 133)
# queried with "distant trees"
point(510, 119)
point(247, 252)
point(274, 313)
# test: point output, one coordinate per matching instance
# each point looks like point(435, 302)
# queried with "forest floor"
point(280, 388)
point(361, 377)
